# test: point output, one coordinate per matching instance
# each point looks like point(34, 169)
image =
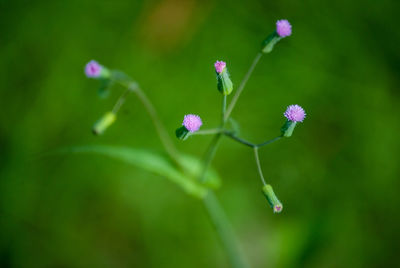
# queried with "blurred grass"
point(337, 176)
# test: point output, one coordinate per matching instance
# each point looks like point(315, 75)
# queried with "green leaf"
point(157, 164)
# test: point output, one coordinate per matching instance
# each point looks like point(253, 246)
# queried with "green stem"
point(210, 201)
point(269, 141)
point(212, 148)
point(259, 165)
point(162, 132)
point(247, 143)
point(121, 101)
point(223, 120)
point(242, 85)
point(224, 230)
point(206, 132)
point(240, 140)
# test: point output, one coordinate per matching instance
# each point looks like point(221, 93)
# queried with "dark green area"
point(337, 176)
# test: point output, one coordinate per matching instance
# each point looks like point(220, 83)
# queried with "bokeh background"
point(338, 176)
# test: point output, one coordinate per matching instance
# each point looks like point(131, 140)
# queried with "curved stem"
point(259, 165)
point(121, 101)
point(240, 140)
point(165, 138)
point(162, 133)
point(269, 141)
point(242, 85)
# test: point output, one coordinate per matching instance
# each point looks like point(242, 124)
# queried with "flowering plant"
point(194, 176)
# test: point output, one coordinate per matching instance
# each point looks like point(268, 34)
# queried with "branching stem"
point(242, 85)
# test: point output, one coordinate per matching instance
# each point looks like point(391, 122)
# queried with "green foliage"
point(157, 164)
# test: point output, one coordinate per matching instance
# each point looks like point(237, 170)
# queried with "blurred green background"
point(338, 176)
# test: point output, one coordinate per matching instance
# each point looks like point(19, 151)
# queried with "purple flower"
point(93, 69)
point(283, 28)
point(295, 113)
point(192, 122)
point(219, 66)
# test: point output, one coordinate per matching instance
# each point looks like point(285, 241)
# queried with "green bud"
point(103, 123)
point(273, 201)
point(182, 133)
point(287, 128)
point(269, 43)
point(224, 83)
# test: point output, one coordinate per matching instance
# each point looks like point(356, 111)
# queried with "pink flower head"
point(192, 122)
point(93, 69)
point(219, 66)
point(283, 28)
point(295, 113)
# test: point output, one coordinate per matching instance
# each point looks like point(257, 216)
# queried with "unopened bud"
point(273, 201)
point(103, 123)
point(224, 83)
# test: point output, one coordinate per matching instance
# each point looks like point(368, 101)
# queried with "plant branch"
point(212, 148)
point(240, 140)
point(162, 133)
point(269, 141)
point(259, 165)
point(211, 204)
point(242, 85)
point(121, 101)
point(206, 131)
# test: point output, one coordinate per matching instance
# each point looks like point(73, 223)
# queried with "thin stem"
point(269, 141)
point(162, 132)
point(209, 156)
point(211, 203)
point(213, 145)
point(206, 132)
point(223, 120)
point(240, 140)
point(259, 165)
point(224, 230)
point(121, 101)
point(242, 85)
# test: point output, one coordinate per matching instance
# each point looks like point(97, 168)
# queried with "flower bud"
point(283, 29)
point(224, 83)
point(273, 201)
point(103, 123)
point(94, 70)
point(293, 114)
